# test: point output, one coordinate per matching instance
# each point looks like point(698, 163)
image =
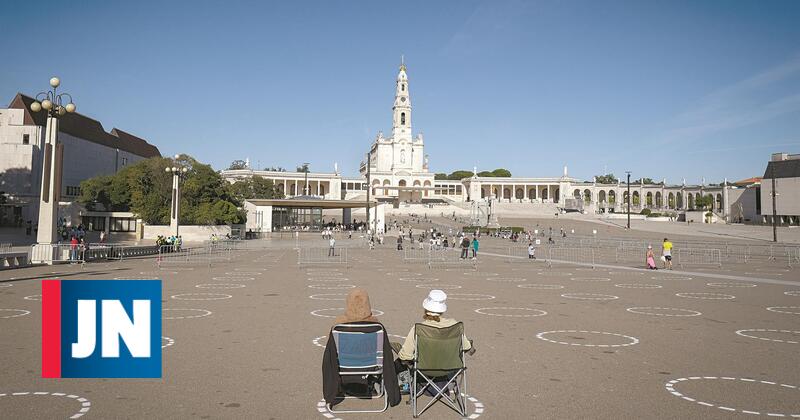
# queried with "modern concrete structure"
point(783, 171)
point(88, 151)
point(305, 213)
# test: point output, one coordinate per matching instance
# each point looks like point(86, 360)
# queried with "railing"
point(623, 254)
point(446, 257)
point(519, 254)
point(57, 254)
point(322, 256)
point(172, 255)
point(699, 256)
point(571, 255)
point(5, 248)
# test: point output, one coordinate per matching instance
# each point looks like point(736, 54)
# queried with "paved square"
point(244, 338)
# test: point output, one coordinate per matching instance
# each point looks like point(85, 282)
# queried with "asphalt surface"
point(565, 341)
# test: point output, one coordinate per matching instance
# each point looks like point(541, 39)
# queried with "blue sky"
point(665, 89)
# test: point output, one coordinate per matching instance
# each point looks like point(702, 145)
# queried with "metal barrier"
point(736, 253)
point(121, 252)
point(518, 254)
point(629, 254)
point(793, 256)
point(169, 255)
point(322, 256)
point(57, 254)
point(699, 256)
point(414, 254)
point(450, 258)
point(5, 248)
point(571, 255)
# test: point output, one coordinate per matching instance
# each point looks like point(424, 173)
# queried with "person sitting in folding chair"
point(353, 362)
point(435, 348)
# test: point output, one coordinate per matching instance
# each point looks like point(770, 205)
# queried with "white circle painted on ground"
point(167, 342)
point(339, 279)
point(479, 274)
point(157, 273)
point(138, 278)
point(656, 311)
point(13, 313)
point(780, 309)
point(706, 296)
point(317, 312)
point(403, 273)
point(730, 284)
point(590, 279)
point(671, 278)
point(631, 340)
point(540, 286)
point(757, 330)
point(469, 296)
point(792, 293)
point(439, 286)
point(6, 284)
point(201, 296)
point(417, 279)
point(332, 286)
point(589, 296)
point(33, 297)
point(233, 278)
point(638, 286)
point(243, 274)
point(86, 405)
point(479, 409)
point(243, 269)
point(329, 296)
point(318, 341)
point(521, 312)
point(324, 274)
point(506, 279)
point(670, 386)
point(199, 313)
point(220, 286)
point(555, 273)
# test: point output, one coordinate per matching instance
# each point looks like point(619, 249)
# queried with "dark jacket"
point(332, 383)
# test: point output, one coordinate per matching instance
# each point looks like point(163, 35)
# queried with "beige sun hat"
point(436, 302)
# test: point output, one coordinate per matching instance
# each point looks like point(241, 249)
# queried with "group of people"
point(174, 241)
point(666, 255)
point(358, 310)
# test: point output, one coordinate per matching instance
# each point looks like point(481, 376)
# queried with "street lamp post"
point(629, 198)
point(305, 183)
point(369, 186)
point(53, 103)
point(175, 210)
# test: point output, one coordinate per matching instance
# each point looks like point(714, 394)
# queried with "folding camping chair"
point(439, 354)
point(360, 351)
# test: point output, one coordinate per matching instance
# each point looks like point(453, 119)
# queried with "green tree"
point(648, 181)
point(606, 179)
point(302, 168)
point(500, 172)
point(458, 175)
point(254, 187)
point(704, 202)
point(238, 164)
point(440, 176)
point(96, 193)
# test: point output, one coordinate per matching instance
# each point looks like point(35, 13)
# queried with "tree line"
point(145, 189)
point(461, 174)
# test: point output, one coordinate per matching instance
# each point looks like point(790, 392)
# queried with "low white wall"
point(625, 216)
point(188, 233)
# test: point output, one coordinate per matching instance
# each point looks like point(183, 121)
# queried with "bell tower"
point(401, 111)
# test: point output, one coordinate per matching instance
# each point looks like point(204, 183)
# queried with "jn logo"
point(101, 329)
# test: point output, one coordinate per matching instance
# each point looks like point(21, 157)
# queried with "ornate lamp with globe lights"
point(56, 105)
point(178, 172)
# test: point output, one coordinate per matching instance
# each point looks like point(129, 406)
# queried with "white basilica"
point(398, 164)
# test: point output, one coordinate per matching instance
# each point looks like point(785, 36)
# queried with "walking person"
point(464, 248)
point(666, 253)
point(332, 247)
point(400, 243)
point(73, 249)
point(475, 246)
point(650, 258)
point(531, 251)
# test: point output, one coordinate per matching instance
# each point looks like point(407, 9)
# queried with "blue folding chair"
point(360, 353)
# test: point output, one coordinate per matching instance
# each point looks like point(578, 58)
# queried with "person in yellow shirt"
point(666, 252)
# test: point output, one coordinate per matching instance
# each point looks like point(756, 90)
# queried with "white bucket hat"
point(435, 302)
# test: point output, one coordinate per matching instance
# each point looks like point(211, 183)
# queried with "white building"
point(398, 172)
point(784, 170)
point(89, 151)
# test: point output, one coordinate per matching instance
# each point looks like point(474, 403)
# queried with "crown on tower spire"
point(402, 63)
